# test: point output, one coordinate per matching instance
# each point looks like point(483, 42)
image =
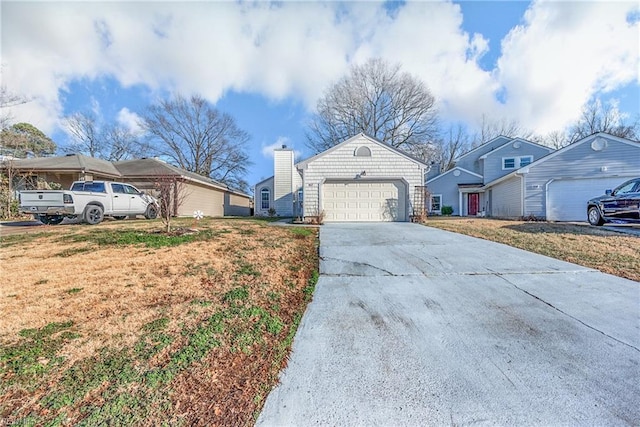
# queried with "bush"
point(446, 210)
point(272, 212)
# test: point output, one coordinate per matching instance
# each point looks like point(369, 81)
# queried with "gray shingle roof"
point(71, 162)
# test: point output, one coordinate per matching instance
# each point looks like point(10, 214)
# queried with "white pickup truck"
point(89, 200)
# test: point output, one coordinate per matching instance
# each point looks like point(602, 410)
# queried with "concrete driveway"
point(411, 325)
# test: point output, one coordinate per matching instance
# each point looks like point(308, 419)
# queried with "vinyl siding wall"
point(506, 198)
point(283, 186)
point(196, 197)
point(236, 205)
point(471, 162)
point(342, 164)
point(493, 163)
point(257, 202)
point(580, 161)
point(447, 186)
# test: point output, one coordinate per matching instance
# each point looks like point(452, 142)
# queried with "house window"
point(526, 160)
point(264, 198)
point(436, 202)
point(509, 163)
point(363, 152)
point(516, 162)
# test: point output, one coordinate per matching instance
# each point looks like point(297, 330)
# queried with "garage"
point(567, 198)
point(360, 201)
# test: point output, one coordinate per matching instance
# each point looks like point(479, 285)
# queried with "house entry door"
point(474, 201)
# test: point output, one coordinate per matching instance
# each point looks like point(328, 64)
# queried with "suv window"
point(625, 188)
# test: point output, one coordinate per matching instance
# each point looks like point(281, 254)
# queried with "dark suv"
point(621, 204)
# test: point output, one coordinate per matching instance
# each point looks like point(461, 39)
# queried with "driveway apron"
point(411, 325)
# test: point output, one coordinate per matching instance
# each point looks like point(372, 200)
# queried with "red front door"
point(474, 201)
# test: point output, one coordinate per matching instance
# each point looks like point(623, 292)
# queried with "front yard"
point(116, 324)
point(603, 250)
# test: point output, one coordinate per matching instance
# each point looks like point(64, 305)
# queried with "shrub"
point(446, 210)
point(272, 212)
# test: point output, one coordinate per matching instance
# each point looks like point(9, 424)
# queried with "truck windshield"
point(96, 187)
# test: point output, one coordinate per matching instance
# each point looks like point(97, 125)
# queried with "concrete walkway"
point(411, 325)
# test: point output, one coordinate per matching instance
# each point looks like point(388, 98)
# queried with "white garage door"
point(567, 199)
point(364, 201)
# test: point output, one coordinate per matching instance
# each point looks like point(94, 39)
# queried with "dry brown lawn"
point(99, 330)
point(604, 250)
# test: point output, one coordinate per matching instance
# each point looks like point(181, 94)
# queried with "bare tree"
point(106, 141)
point(492, 128)
point(380, 100)
point(8, 99)
point(199, 138)
point(171, 193)
point(84, 131)
point(453, 143)
point(599, 117)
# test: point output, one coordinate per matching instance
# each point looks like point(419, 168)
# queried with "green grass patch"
point(246, 269)
point(21, 238)
point(74, 291)
point(73, 251)
point(24, 363)
point(302, 231)
point(127, 237)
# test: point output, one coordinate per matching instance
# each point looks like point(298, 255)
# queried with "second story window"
point(516, 162)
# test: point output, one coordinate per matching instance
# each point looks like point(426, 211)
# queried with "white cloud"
point(563, 54)
point(282, 141)
point(130, 120)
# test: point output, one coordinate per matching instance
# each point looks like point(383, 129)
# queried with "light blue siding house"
point(558, 186)
point(463, 187)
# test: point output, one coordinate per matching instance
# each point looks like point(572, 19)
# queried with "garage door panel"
point(358, 201)
point(567, 199)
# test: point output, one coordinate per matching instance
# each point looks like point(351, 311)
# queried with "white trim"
point(451, 170)
point(304, 163)
point(509, 139)
point(582, 141)
point(484, 156)
point(519, 162)
point(431, 203)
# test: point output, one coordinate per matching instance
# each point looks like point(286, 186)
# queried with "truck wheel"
point(593, 214)
point(93, 214)
point(152, 212)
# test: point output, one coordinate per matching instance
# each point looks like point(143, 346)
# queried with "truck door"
point(120, 198)
point(136, 203)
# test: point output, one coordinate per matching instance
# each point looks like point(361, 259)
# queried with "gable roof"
point(451, 170)
point(70, 163)
point(484, 145)
point(513, 141)
point(150, 167)
point(563, 150)
point(353, 138)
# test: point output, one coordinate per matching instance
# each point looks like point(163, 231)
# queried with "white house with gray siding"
point(463, 187)
point(360, 179)
point(558, 186)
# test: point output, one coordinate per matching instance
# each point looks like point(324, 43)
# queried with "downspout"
point(460, 206)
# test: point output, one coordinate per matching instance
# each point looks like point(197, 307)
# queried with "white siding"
point(506, 198)
point(580, 160)
point(341, 164)
point(283, 186)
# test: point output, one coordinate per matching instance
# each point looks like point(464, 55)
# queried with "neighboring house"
point(360, 179)
point(199, 193)
point(558, 186)
point(463, 186)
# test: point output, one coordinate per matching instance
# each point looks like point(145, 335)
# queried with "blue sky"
point(266, 64)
